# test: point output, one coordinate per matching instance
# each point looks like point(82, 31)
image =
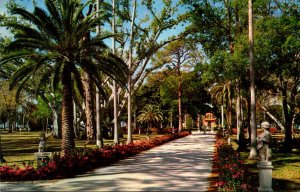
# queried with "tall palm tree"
point(150, 114)
point(253, 152)
point(54, 39)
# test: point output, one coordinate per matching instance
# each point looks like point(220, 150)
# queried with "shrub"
point(234, 130)
point(273, 130)
point(230, 168)
point(154, 130)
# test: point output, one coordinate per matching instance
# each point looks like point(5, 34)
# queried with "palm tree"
point(55, 40)
point(150, 114)
point(223, 94)
point(253, 152)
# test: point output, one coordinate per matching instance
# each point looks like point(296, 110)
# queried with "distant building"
point(209, 120)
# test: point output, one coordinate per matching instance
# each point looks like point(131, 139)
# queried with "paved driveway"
point(181, 165)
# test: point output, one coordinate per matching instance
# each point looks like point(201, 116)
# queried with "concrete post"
point(265, 176)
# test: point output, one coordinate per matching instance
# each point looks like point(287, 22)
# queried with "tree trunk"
point(171, 123)
point(76, 132)
point(56, 122)
point(99, 135)
point(68, 143)
point(273, 118)
point(9, 125)
point(238, 117)
point(2, 160)
point(288, 117)
point(179, 106)
point(47, 123)
point(134, 120)
point(23, 120)
point(253, 151)
point(129, 133)
point(115, 90)
point(89, 107)
point(222, 116)
point(229, 110)
point(13, 125)
point(239, 121)
point(56, 132)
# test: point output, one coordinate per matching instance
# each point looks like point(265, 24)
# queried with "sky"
point(25, 3)
point(28, 4)
point(3, 32)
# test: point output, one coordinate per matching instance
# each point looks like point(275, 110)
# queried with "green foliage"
point(60, 41)
point(150, 114)
point(8, 103)
point(43, 110)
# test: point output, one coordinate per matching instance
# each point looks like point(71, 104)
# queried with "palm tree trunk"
point(68, 143)
point(129, 133)
point(99, 135)
point(253, 152)
point(76, 133)
point(115, 90)
point(239, 119)
point(56, 123)
point(89, 107)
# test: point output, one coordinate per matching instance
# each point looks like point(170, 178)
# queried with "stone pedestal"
point(265, 176)
point(43, 158)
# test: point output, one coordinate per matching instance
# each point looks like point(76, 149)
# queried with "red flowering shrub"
point(273, 130)
point(154, 130)
point(82, 160)
point(230, 168)
point(234, 130)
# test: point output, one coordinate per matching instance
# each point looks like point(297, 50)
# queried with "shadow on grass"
point(285, 185)
point(278, 185)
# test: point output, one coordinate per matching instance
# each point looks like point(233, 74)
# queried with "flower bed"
point(230, 168)
point(82, 160)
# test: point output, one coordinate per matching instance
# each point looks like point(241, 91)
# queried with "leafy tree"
point(55, 40)
point(42, 112)
point(140, 36)
point(9, 104)
point(278, 48)
point(178, 57)
point(217, 25)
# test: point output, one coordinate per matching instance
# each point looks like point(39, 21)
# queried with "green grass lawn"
point(19, 147)
point(286, 171)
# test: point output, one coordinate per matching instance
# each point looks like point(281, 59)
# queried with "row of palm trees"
point(55, 45)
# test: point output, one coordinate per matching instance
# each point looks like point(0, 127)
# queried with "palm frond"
point(21, 87)
point(11, 55)
point(57, 71)
point(24, 31)
point(55, 14)
point(22, 73)
point(27, 16)
point(47, 27)
point(78, 81)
